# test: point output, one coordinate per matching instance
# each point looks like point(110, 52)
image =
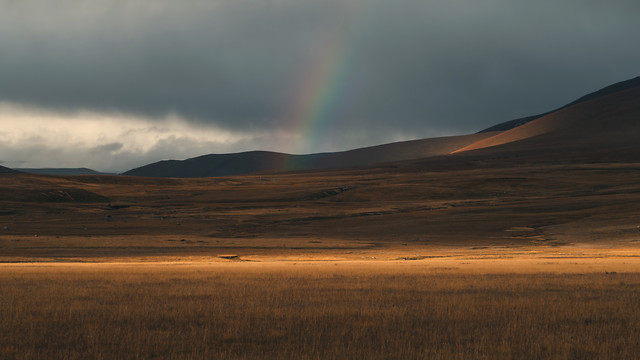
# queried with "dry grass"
point(510, 260)
point(464, 206)
point(313, 311)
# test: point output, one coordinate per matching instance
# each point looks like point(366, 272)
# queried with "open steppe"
point(321, 310)
point(402, 210)
point(472, 257)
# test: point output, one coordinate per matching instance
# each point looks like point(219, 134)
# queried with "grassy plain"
point(513, 260)
point(319, 310)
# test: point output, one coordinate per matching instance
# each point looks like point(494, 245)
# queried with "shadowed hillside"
point(264, 161)
point(617, 87)
point(606, 122)
point(5, 170)
point(20, 187)
point(603, 120)
point(60, 171)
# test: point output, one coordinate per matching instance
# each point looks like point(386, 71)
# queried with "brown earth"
point(389, 212)
point(457, 257)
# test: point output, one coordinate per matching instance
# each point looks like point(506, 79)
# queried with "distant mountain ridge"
point(605, 119)
point(60, 171)
point(6, 170)
point(602, 122)
point(265, 161)
point(611, 89)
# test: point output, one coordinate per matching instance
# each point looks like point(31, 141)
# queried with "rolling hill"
point(603, 120)
point(611, 89)
point(6, 170)
point(264, 161)
point(60, 171)
point(611, 121)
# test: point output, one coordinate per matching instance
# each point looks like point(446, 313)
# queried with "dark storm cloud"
point(419, 67)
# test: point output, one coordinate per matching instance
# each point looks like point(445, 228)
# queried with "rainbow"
point(324, 82)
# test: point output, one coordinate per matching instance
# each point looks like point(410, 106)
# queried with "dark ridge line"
point(611, 89)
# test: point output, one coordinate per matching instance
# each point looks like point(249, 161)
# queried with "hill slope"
point(264, 161)
point(6, 170)
point(611, 89)
point(605, 119)
point(60, 171)
point(607, 122)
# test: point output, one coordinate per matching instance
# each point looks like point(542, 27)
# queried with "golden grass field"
point(321, 310)
point(534, 261)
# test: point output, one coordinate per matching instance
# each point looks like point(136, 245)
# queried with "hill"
point(6, 170)
point(264, 161)
point(611, 89)
point(60, 171)
point(605, 122)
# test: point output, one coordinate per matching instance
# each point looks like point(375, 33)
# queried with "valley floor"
point(451, 303)
point(459, 304)
point(505, 260)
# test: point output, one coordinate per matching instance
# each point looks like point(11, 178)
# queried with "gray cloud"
point(106, 148)
point(412, 67)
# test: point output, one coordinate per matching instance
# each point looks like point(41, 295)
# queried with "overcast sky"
point(114, 85)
